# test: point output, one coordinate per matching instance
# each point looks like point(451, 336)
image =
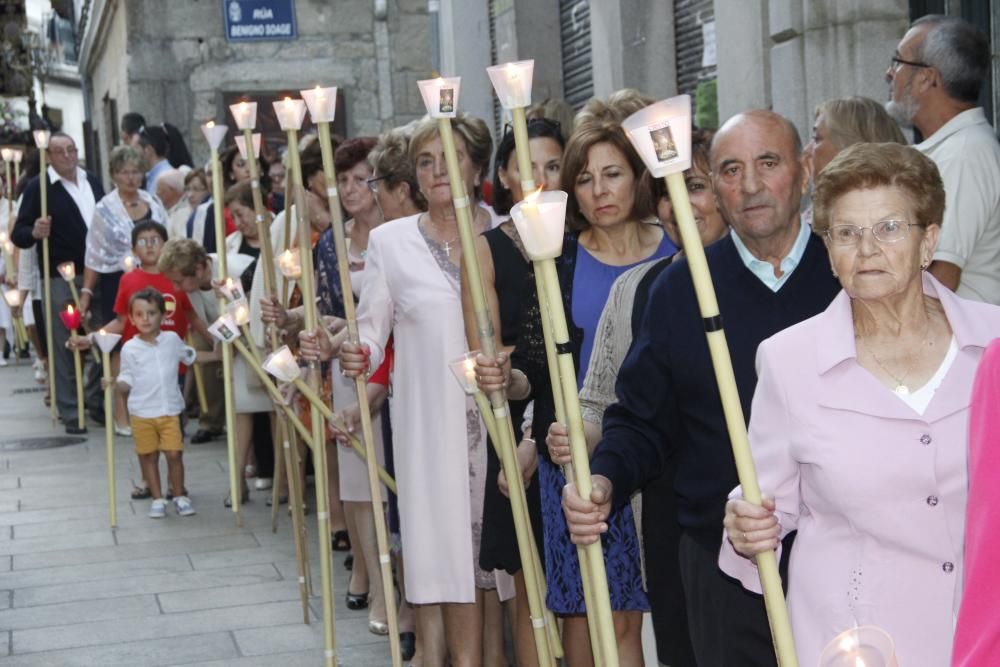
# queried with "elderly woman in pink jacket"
point(859, 424)
point(977, 637)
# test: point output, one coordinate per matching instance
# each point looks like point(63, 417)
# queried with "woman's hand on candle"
point(354, 359)
point(527, 462)
point(587, 519)
point(558, 443)
point(350, 420)
point(271, 312)
point(492, 374)
point(315, 345)
point(79, 343)
point(752, 529)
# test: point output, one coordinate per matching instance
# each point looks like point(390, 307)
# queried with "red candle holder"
point(70, 318)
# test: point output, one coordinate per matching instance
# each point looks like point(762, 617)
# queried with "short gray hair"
point(122, 155)
point(959, 51)
point(173, 179)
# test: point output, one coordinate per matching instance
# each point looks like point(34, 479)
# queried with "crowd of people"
point(859, 280)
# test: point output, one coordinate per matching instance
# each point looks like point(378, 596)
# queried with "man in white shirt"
point(934, 80)
point(170, 191)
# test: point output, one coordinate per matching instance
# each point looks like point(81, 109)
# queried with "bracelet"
point(86, 290)
point(531, 440)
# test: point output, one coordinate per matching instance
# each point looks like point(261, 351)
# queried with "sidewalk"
point(176, 591)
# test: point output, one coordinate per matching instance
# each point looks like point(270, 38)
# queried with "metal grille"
point(492, 11)
point(689, 15)
point(25, 444)
point(578, 73)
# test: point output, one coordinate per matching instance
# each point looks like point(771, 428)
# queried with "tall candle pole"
point(106, 342)
point(245, 116)
point(214, 135)
point(540, 221)
point(290, 114)
point(322, 103)
point(8, 160)
point(661, 133)
point(512, 83)
point(42, 142)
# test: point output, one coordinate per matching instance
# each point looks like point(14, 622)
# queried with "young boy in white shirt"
point(148, 378)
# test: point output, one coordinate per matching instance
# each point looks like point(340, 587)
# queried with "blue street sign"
point(259, 20)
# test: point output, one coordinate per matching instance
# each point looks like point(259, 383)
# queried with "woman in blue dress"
point(611, 229)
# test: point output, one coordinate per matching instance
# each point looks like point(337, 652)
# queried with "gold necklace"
point(901, 389)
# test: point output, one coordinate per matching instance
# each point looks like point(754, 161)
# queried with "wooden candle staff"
point(512, 83)
point(71, 320)
point(290, 114)
point(106, 342)
point(540, 221)
point(67, 270)
point(42, 143)
point(214, 134)
point(661, 133)
point(322, 103)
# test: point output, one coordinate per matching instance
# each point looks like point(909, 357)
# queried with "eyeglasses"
point(896, 62)
point(884, 231)
point(373, 183)
point(151, 242)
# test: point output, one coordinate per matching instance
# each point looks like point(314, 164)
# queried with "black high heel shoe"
point(357, 601)
point(407, 645)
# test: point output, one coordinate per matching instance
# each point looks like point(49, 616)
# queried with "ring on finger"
point(745, 537)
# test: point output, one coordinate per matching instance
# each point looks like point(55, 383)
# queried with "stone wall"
point(180, 66)
point(790, 55)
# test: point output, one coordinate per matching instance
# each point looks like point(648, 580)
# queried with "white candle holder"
point(441, 96)
point(540, 219)
point(244, 115)
point(512, 83)
point(7, 154)
point(241, 144)
point(282, 365)
point(214, 134)
point(105, 341)
point(464, 370)
point(41, 138)
point(128, 263)
point(661, 134)
point(290, 113)
point(13, 297)
point(866, 646)
point(18, 156)
point(322, 103)
point(233, 290)
point(239, 312)
point(224, 329)
point(8, 247)
point(67, 270)
point(3, 237)
point(289, 263)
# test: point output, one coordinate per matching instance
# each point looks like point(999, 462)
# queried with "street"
point(194, 591)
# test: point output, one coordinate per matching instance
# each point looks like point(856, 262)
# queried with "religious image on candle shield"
point(446, 103)
point(663, 142)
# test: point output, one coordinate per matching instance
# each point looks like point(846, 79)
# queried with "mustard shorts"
point(157, 434)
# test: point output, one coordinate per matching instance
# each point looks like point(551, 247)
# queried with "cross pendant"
point(447, 248)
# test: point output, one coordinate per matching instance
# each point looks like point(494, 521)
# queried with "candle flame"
point(858, 662)
point(533, 195)
point(470, 365)
point(3, 237)
point(210, 124)
point(288, 102)
point(848, 643)
point(103, 332)
point(512, 71)
point(69, 309)
point(243, 106)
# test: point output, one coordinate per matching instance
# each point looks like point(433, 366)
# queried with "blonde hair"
point(620, 105)
point(555, 109)
point(182, 255)
point(475, 134)
point(390, 159)
point(855, 120)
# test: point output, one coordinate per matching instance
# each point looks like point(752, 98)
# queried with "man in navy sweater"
point(769, 274)
point(72, 196)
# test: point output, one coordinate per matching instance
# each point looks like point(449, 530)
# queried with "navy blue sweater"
point(668, 399)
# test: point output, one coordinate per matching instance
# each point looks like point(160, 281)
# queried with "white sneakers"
point(182, 505)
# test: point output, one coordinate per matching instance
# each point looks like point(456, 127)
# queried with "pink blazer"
point(876, 491)
point(977, 637)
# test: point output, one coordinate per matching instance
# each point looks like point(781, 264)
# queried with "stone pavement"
point(176, 591)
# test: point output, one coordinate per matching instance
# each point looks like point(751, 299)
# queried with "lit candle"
point(540, 222)
point(440, 96)
point(289, 264)
point(512, 83)
point(866, 646)
point(67, 270)
point(290, 113)
point(42, 138)
point(322, 103)
point(241, 144)
point(128, 263)
point(7, 154)
point(240, 314)
point(282, 365)
point(70, 319)
point(464, 370)
point(224, 329)
point(8, 247)
point(245, 114)
point(3, 237)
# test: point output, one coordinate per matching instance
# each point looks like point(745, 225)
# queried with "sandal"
point(141, 492)
point(341, 541)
